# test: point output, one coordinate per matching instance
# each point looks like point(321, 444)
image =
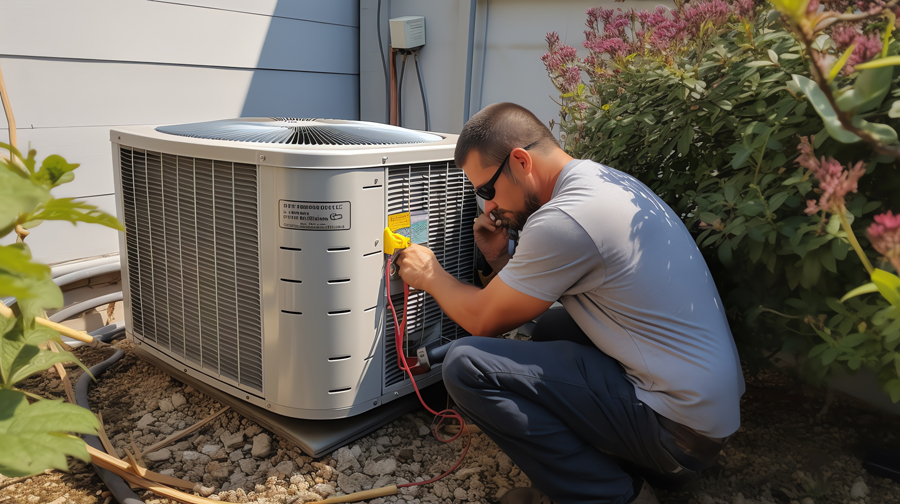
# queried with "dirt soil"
point(785, 452)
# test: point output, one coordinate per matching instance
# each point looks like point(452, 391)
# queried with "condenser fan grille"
point(300, 131)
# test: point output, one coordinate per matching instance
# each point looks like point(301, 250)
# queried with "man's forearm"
point(498, 263)
point(460, 301)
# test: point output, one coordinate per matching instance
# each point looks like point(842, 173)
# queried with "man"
point(638, 374)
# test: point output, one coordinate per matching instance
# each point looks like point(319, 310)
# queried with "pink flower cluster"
point(884, 234)
point(562, 64)
point(867, 46)
point(615, 33)
point(834, 181)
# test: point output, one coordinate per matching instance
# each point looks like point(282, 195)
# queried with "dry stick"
point(104, 439)
point(119, 466)
point(70, 393)
point(180, 434)
point(137, 452)
point(4, 98)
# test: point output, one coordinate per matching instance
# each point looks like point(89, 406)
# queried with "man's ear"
point(523, 160)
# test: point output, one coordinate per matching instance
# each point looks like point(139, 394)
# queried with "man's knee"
point(458, 369)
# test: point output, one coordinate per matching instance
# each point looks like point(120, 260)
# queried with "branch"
point(818, 73)
point(831, 17)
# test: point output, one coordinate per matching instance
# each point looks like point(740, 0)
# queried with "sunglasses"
point(486, 191)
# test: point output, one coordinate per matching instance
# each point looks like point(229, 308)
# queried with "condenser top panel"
point(292, 143)
point(296, 131)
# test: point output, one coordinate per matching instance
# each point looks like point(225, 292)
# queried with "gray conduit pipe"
point(468, 97)
point(75, 309)
point(70, 267)
point(120, 490)
point(84, 306)
point(70, 278)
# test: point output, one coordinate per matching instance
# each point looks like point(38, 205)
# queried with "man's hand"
point(418, 266)
point(492, 240)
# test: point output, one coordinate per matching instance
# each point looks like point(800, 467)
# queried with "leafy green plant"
point(706, 104)
point(35, 435)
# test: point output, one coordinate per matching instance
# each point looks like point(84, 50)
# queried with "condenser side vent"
point(443, 192)
point(192, 240)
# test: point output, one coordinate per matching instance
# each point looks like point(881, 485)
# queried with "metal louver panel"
point(441, 190)
point(192, 240)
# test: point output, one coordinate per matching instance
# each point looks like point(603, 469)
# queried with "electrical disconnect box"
point(407, 32)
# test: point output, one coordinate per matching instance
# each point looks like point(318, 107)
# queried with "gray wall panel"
point(142, 31)
point(345, 12)
point(107, 94)
point(76, 69)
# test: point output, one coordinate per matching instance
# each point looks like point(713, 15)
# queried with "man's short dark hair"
point(498, 129)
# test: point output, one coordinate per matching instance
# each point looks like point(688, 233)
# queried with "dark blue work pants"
point(563, 411)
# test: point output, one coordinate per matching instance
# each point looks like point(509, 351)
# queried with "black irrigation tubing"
point(120, 490)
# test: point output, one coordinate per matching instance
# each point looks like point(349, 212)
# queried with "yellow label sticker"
point(398, 221)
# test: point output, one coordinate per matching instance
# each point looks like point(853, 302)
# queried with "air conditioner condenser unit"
point(253, 262)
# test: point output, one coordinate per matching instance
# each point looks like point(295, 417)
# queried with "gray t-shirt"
point(628, 272)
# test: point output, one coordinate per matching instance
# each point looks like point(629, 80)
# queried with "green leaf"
point(684, 142)
point(862, 289)
point(853, 340)
point(888, 285)
point(840, 63)
point(68, 209)
point(824, 109)
point(725, 254)
point(54, 171)
point(777, 200)
point(879, 63)
point(867, 92)
point(829, 355)
point(34, 437)
point(18, 195)
point(895, 110)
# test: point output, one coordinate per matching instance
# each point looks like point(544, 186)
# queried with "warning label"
point(314, 215)
point(413, 225)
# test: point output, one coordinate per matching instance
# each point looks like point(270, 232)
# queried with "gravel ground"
point(785, 452)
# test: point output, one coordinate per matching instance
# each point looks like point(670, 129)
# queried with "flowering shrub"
point(707, 105)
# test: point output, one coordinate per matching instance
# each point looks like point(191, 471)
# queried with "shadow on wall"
point(309, 63)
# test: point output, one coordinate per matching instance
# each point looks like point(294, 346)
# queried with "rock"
point(146, 421)
point(152, 404)
point(323, 489)
point(219, 454)
point(380, 465)
point(231, 441)
point(168, 472)
point(345, 460)
point(859, 489)
point(217, 469)
point(252, 430)
point(705, 498)
point(203, 490)
point(353, 483)
point(807, 500)
point(166, 405)
point(424, 430)
point(236, 455)
point(262, 445)
point(466, 472)
point(738, 499)
point(177, 400)
point(247, 465)
point(238, 479)
point(504, 464)
point(195, 457)
point(383, 441)
point(405, 454)
point(460, 494)
point(209, 449)
point(282, 470)
point(158, 455)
